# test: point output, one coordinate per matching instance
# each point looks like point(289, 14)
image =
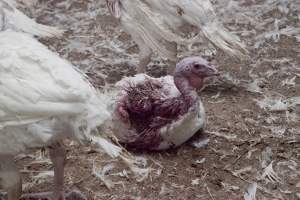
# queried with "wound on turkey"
point(160, 113)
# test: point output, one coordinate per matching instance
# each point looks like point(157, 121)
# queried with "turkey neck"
point(188, 92)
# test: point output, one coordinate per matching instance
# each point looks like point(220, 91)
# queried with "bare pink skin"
point(145, 109)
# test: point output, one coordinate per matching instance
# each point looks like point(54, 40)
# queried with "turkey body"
point(159, 126)
point(12, 18)
point(40, 92)
point(156, 26)
point(43, 100)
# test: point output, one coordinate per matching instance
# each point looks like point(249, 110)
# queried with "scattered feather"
point(251, 192)
point(44, 175)
point(269, 175)
point(138, 167)
point(196, 181)
point(254, 86)
point(111, 149)
point(278, 104)
point(226, 136)
point(101, 173)
point(201, 143)
point(201, 161)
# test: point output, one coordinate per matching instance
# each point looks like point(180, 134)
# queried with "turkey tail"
point(14, 19)
point(139, 20)
point(200, 13)
point(224, 40)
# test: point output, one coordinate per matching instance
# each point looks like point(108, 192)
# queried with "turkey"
point(155, 25)
point(12, 18)
point(44, 99)
point(161, 113)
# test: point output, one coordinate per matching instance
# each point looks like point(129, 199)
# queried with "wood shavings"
point(250, 152)
point(226, 136)
point(228, 187)
point(290, 82)
point(44, 175)
point(242, 171)
point(164, 190)
point(100, 48)
point(201, 143)
point(210, 194)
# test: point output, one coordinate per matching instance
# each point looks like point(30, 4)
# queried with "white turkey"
point(155, 26)
point(43, 100)
point(161, 113)
point(12, 18)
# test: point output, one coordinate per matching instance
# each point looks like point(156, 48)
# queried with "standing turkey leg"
point(10, 178)
point(58, 157)
point(144, 58)
point(172, 47)
point(171, 68)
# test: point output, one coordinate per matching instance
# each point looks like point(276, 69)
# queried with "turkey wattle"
point(12, 18)
point(160, 113)
point(155, 25)
point(43, 99)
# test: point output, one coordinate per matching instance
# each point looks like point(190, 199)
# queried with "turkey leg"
point(144, 59)
point(58, 157)
point(10, 178)
point(172, 47)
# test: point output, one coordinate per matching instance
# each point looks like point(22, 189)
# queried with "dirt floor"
point(252, 138)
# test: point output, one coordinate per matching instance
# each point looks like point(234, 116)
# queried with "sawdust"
point(249, 149)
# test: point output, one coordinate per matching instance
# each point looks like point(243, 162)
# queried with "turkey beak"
point(212, 71)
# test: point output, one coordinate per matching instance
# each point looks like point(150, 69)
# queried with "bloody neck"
point(188, 92)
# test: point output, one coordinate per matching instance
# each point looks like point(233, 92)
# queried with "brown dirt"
point(234, 112)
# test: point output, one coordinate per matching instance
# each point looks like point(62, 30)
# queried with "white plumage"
point(156, 25)
point(36, 84)
point(12, 18)
point(43, 99)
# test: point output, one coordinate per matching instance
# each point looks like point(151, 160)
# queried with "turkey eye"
point(197, 66)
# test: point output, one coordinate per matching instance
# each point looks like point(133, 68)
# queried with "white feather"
point(251, 192)
point(43, 97)
point(157, 23)
point(12, 18)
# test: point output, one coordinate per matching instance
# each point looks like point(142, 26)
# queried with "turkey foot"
point(73, 195)
point(57, 154)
